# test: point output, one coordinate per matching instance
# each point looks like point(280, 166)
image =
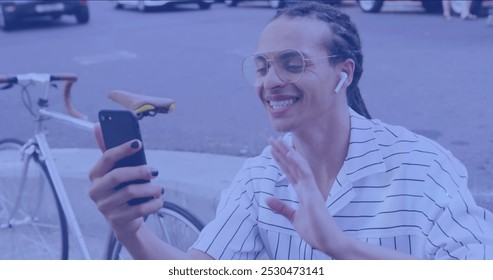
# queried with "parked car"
point(146, 5)
point(275, 4)
point(374, 6)
point(13, 11)
point(431, 6)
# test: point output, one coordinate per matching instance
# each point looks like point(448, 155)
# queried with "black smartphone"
point(118, 127)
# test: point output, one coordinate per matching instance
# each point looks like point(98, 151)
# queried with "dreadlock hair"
point(345, 43)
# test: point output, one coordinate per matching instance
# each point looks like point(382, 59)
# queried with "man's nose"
point(272, 78)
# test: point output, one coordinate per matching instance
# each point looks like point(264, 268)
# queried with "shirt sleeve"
point(461, 229)
point(233, 233)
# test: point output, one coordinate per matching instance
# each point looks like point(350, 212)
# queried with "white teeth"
point(281, 104)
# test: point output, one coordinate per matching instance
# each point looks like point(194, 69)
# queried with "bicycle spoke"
point(172, 224)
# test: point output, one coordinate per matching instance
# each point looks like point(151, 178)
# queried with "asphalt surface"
point(431, 76)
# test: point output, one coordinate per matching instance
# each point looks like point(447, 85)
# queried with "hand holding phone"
point(118, 127)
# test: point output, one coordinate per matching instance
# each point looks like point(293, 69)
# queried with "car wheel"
point(370, 6)
point(333, 2)
point(82, 15)
point(433, 6)
point(276, 4)
point(204, 5)
point(231, 3)
point(8, 24)
point(118, 6)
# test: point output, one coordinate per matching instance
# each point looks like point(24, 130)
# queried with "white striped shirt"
point(395, 189)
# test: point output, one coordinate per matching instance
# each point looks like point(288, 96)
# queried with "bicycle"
point(35, 210)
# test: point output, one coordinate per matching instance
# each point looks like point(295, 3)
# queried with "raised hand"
point(312, 219)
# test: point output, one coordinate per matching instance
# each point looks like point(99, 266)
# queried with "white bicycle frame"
point(46, 155)
point(38, 144)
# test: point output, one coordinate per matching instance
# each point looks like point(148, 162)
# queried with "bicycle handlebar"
point(8, 80)
point(141, 105)
point(37, 77)
point(69, 79)
point(67, 100)
point(64, 77)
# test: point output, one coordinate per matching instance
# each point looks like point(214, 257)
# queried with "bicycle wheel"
point(172, 224)
point(32, 224)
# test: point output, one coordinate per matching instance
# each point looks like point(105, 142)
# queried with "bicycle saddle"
point(142, 105)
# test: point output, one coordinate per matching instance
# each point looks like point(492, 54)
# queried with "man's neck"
point(324, 146)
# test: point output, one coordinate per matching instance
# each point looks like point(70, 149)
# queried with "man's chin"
point(280, 127)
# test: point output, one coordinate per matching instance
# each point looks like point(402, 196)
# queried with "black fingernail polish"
point(135, 144)
point(162, 190)
point(154, 172)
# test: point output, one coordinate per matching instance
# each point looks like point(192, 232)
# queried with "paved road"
point(432, 76)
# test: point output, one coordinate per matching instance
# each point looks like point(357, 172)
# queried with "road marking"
point(108, 57)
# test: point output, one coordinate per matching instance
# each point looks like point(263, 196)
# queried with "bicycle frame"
point(47, 157)
point(37, 148)
point(40, 141)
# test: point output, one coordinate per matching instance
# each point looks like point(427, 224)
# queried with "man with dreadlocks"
point(338, 185)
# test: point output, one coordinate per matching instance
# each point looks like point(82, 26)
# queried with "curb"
point(191, 180)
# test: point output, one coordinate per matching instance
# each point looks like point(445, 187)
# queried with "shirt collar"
point(363, 157)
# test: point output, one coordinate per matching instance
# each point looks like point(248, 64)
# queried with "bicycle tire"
point(172, 224)
point(32, 222)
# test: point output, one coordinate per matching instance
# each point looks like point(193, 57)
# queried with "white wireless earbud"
point(343, 79)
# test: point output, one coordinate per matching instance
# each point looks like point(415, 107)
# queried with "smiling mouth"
point(281, 104)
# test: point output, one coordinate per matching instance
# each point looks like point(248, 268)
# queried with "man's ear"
point(348, 67)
